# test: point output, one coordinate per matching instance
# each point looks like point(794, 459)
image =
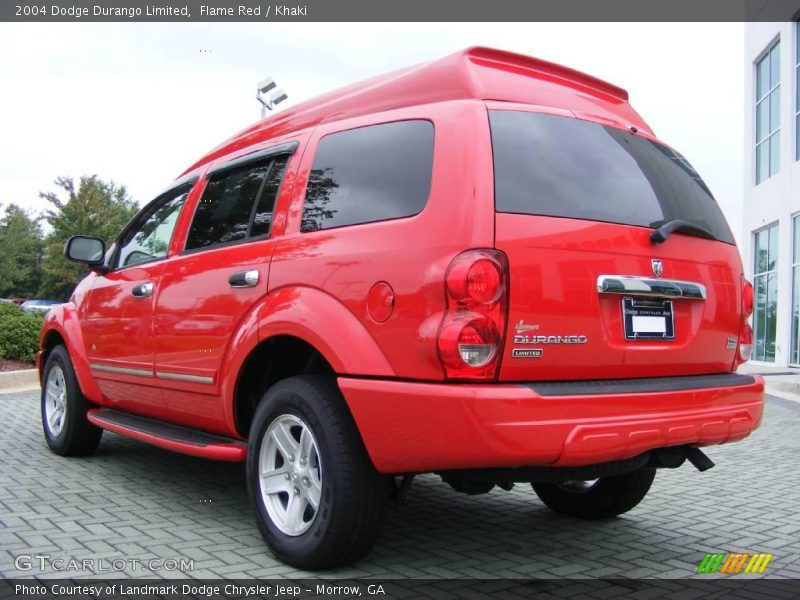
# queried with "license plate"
point(646, 319)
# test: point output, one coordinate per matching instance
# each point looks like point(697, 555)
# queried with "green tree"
point(97, 208)
point(21, 250)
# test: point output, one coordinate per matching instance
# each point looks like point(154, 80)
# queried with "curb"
point(790, 387)
point(14, 380)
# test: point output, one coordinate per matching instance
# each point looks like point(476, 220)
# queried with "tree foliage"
point(21, 249)
point(96, 208)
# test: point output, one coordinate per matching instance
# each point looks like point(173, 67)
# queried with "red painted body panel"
point(554, 265)
point(316, 286)
point(420, 427)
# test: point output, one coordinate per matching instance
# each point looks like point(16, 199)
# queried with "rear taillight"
point(470, 339)
point(745, 346)
point(747, 298)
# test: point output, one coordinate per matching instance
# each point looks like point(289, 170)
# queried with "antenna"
point(269, 102)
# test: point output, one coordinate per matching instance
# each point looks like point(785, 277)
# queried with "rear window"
point(565, 167)
point(369, 174)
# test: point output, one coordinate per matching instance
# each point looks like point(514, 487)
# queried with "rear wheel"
point(66, 428)
point(318, 500)
point(598, 498)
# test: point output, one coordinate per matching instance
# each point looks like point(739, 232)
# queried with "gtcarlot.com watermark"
point(46, 562)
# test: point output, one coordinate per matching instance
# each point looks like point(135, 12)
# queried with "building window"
point(766, 288)
point(795, 320)
point(797, 93)
point(768, 117)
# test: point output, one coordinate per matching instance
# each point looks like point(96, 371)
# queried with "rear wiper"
point(660, 235)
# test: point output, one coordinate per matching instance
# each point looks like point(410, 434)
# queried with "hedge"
point(19, 333)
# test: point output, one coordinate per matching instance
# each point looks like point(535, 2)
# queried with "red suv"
point(486, 267)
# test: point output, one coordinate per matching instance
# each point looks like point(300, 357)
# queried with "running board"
point(169, 436)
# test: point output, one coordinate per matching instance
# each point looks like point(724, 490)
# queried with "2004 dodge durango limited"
point(485, 267)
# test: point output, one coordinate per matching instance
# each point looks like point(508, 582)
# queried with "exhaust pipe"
point(700, 461)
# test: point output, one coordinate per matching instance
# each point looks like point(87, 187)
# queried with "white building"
point(770, 240)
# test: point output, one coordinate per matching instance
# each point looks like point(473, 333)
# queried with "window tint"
point(565, 167)
point(369, 174)
point(150, 240)
point(223, 213)
point(262, 220)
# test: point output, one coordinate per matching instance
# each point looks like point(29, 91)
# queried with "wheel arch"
point(295, 330)
point(61, 326)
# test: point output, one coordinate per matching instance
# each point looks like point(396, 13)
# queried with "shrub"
point(8, 309)
point(19, 335)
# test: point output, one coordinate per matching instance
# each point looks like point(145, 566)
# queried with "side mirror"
point(84, 249)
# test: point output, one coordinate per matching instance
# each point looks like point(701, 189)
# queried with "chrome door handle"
point(143, 290)
point(244, 279)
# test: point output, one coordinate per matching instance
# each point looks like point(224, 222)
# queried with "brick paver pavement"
point(133, 501)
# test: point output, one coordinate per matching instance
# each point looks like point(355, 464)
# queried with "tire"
point(327, 465)
point(606, 497)
point(64, 407)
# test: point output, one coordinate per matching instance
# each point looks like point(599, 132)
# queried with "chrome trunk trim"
point(650, 287)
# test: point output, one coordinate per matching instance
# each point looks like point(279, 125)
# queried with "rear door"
point(591, 297)
point(208, 288)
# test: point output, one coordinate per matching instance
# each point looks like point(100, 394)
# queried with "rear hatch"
point(591, 296)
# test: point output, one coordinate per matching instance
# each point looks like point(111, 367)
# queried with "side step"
point(169, 436)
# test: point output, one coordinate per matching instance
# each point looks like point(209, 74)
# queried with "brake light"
point(470, 339)
point(745, 346)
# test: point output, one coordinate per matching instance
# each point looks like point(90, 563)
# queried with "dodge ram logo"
point(658, 266)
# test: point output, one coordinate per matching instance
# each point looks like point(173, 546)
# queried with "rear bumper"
point(420, 427)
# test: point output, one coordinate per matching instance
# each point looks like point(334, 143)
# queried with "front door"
point(118, 317)
point(207, 290)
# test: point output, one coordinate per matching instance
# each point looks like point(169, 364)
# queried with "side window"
point(369, 174)
point(237, 205)
point(262, 220)
point(150, 239)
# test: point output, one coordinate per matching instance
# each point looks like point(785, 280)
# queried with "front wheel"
point(318, 500)
point(597, 499)
point(66, 428)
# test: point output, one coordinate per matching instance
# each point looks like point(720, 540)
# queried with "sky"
point(138, 103)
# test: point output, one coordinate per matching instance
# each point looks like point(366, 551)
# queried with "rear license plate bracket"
point(648, 319)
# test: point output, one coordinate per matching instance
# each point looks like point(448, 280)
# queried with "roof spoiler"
point(547, 69)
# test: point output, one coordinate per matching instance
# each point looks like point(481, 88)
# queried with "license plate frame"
point(642, 319)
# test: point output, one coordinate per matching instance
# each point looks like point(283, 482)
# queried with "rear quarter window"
point(369, 174)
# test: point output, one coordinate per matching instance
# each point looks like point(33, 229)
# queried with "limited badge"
point(527, 353)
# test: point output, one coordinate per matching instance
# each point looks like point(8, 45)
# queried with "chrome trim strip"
point(633, 285)
point(182, 377)
point(121, 370)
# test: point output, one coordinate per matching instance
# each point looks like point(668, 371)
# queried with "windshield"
point(564, 167)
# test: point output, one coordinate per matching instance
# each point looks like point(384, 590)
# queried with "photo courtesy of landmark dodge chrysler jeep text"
point(485, 267)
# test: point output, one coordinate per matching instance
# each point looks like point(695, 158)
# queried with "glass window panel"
point(796, 238)
point(774, 153)
point(775, 65)
point(223, 213)
point(795, 320)
point(797, 132)
point(762, 162)
point(369, 174)
point(150, 240)
point(262, 220)
point(762, 76)
point(773, 247)
point(771, 316)
point(762, 120)
point(758, 316)
point(762, 249)
point(774, 110)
